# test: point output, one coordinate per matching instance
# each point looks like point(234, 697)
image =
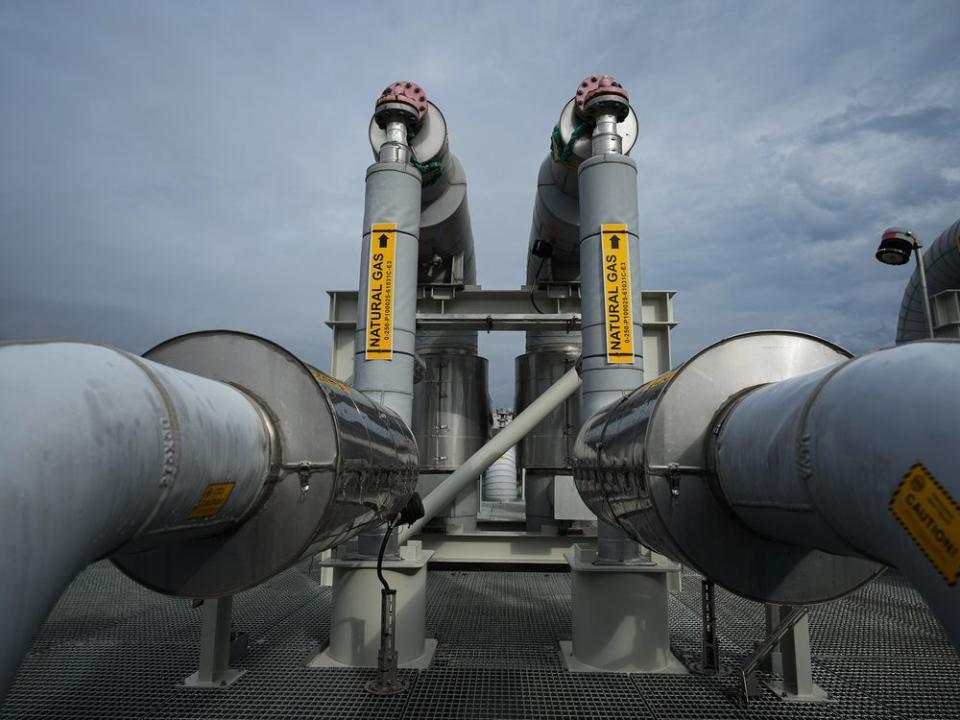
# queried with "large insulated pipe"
point(610, 326)
point(942, 263)
point(787, 471)
point(508, 436)
point(202, 470)
point(554, 259)
point(858, 459)
point(100, 450)
point(445, 252)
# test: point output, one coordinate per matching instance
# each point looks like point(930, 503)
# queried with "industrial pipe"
point(446, 250)
point(942, 263)
point(788, 472)
point(610, 325)
point(384, 348)
point(860, 459)
point(508, 436)
point(586, 185)
point(102, 450)
point(202, 470)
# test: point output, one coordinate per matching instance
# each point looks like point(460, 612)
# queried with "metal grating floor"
point(112, 649)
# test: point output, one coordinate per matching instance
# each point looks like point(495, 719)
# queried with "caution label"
point(327, 380)
point(932, 519)
point(383, 244)
point(618, 310)
point(212, 500)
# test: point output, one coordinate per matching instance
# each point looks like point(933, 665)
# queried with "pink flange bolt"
point(402, 99)
point(603, 91)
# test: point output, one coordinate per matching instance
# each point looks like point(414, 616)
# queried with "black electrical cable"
point(383, 549)
point(533, 288)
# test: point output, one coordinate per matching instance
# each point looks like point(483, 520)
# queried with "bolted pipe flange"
point(401, 101)
point(602, 95)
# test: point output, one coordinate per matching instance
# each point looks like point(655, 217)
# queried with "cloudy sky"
point(174, 166)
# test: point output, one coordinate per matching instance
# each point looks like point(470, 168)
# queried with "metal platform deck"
point(112, 649)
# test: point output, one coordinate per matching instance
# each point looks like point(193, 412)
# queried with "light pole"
point(896, 246)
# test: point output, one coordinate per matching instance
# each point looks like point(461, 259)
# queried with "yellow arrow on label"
point(617, 306)
point(380, 277)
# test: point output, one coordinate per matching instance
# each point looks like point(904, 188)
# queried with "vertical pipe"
point(924, 294)
point(392, 197)
point(388, 290)
point(608, 195)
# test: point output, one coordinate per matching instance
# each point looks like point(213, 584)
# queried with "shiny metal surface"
point(347, 463)
point(642, 463)
point(451, 410)
point(549, 446)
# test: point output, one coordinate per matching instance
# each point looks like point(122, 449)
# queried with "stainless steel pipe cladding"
point(451, 418)
point(549, 446)
point(644, 464)
point(858, 459)
point(343, 463)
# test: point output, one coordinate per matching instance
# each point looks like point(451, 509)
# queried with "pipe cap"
point(602, 93)
point(401, 100)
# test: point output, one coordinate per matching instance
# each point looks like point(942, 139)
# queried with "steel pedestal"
point(215, 645)
point(355, 621)
point(620, 615)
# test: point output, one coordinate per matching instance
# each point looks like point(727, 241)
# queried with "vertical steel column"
point(608, 195)
point(214, 669)
point(710, 641)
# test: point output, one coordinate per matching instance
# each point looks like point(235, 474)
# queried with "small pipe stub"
point(403, 101)
point(602, 94)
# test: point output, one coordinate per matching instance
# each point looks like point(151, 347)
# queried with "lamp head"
point(896, 246)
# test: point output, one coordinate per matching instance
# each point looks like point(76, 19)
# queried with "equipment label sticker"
point(383, 243)
point(213, 500)
point(618, 311)
point(932, 519)
point(327, 380)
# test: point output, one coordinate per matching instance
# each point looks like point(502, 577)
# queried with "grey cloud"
point(166, 167)
point(933, 121)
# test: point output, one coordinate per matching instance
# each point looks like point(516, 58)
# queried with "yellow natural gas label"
point(383, 245)
point(212, 500)
point(618, 311)
point(932, 519)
